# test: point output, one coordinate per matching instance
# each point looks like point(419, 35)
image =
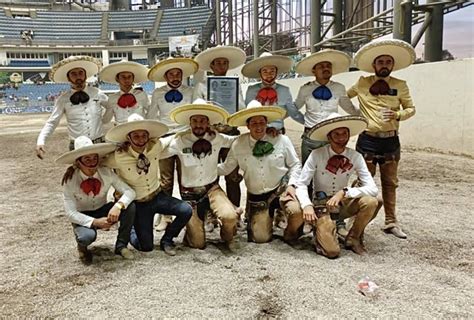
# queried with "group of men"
point(179, 130)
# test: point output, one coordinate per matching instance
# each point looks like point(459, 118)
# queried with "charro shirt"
point(370, 105)
point(197, 172)
point(318, 110)
point(83, 119)
point(263, 174)
point(121, 114)
point(77, 201)
point(324, 180)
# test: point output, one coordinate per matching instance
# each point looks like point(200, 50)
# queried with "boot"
point(354, 243)
point(367, 207)
point(84, 255)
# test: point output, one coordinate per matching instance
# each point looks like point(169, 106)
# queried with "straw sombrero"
point(187, 66)
point(59, 70)
point(214, 113)
point(251, 69)
point(119, 133)
point(356, 125)
point(402, 52)
point(84, 146)
point(109, 73)
point(236, 57)
point(340, 62)
point(255, 108)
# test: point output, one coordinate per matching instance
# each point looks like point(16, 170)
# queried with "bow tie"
point(337, 162)
point(79, 97)
point(91, 185)
point(173, 96)
point(262, 148)
point(127, 100)
point(143, 164)
point(202, 147)
point(267, 96)
point(322, 93)
point(380, 87)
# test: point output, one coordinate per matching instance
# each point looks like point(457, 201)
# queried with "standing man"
point(128, 100)
point(330, 168)
point(384, 101)
point(82, 105)
point(137, 163)
point(271, 169)
point(86, 185)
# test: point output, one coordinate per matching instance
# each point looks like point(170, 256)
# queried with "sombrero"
point(119, 133)
point(84, 146)
point(356, 125)
point(187, 66)
point(251, 69)
point(59, 70)
point(255, 108)
point(109, 73)
point(340, 62)
point(402, 52)
point(235, 55)
point(214, 113)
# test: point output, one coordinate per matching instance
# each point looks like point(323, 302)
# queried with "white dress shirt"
point(318, 110)
point(324, 180)
point(121, 114)
point(263, 174)
point(83, 119)
point(197, 172)
point(77, 201)
point(200, 91)
point(160, 109)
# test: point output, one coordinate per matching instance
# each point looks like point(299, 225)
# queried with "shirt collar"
point(85, 177)
point(332, 153)
point(254, 141)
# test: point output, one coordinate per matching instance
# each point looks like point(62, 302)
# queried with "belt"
point(382, 134)
point(98, 140)
point(150, 196)
point(199, 190)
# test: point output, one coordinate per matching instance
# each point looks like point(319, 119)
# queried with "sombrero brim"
point(340, 62)
point(239, 119)
point(119, 133)
point(59, 71)
point(187, 66)
point(236, 57)
point(215, 114)
point(355, 124)
point(251, 69)
point(100, 148)
point(109, 73)
point(402, 52)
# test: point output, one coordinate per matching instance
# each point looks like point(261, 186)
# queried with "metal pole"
point(230, 21)
point(422, 30)
point(337, 9)
point(434, 34)
point(273, 25)
point(218, 21)
point(255, 29)
point(402, 20)
point(315, 23)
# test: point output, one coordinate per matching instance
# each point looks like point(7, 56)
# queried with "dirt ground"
point(429, 275)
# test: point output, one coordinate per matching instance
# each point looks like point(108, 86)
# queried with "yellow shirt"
point(370, 105)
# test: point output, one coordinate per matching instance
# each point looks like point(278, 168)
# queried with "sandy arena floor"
point(429, 275)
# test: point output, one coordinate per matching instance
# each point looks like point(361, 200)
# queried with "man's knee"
point(85, 236)
point(369, 203)
point(292, 208)
point(184, 210)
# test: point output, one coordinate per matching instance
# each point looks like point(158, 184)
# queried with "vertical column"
point(315, 23)
point(217, 4)
point(402, 20)
point(337, 10)
point(434, 34)
point(230, 21)
point(274, 20)
point(255, 29)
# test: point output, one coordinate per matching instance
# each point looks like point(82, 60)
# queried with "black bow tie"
point(79, 97)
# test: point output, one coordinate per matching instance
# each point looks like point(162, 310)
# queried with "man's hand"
point(40, 151)
point(273, 132)
point(309, 215)
point(388, 114)
point(113, 215)
point(101, 223)
point(333, 203)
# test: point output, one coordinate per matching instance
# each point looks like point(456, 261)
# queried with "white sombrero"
point(356, 125)
point(109, 73)
point(340, 62)
point(214, 113)
point(84, 146)
point(251, 69)
point(59, 70)
point(255, 108)
point(402, 52)
point(236, 57)
point(119, 133)
point(187, 66)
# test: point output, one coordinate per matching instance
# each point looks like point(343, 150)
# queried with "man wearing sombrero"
point(198, 151)
point(128, 100)
point(330, 168)
point(384, 101)
point(268, 92)
point(137, 163)
point(175, 93)
point(82, 105)
point(271, 168)
point(86, 184)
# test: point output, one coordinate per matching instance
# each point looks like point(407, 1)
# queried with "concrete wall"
point(443, 93)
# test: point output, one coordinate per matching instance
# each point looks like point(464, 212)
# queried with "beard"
point(384, 72)
point(91, 165)
point(268, 80)
point(199, 131)
point(174, 83)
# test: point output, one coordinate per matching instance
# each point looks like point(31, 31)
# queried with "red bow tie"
point(91, 185)
point(267, 96)
point(127, 100)
point(338, 162)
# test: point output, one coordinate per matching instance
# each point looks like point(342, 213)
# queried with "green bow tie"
point(262, 148)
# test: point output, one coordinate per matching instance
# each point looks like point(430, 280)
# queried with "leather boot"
point(195, 235)
point(367, 207)
point(325, 239)
point(294, 228)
